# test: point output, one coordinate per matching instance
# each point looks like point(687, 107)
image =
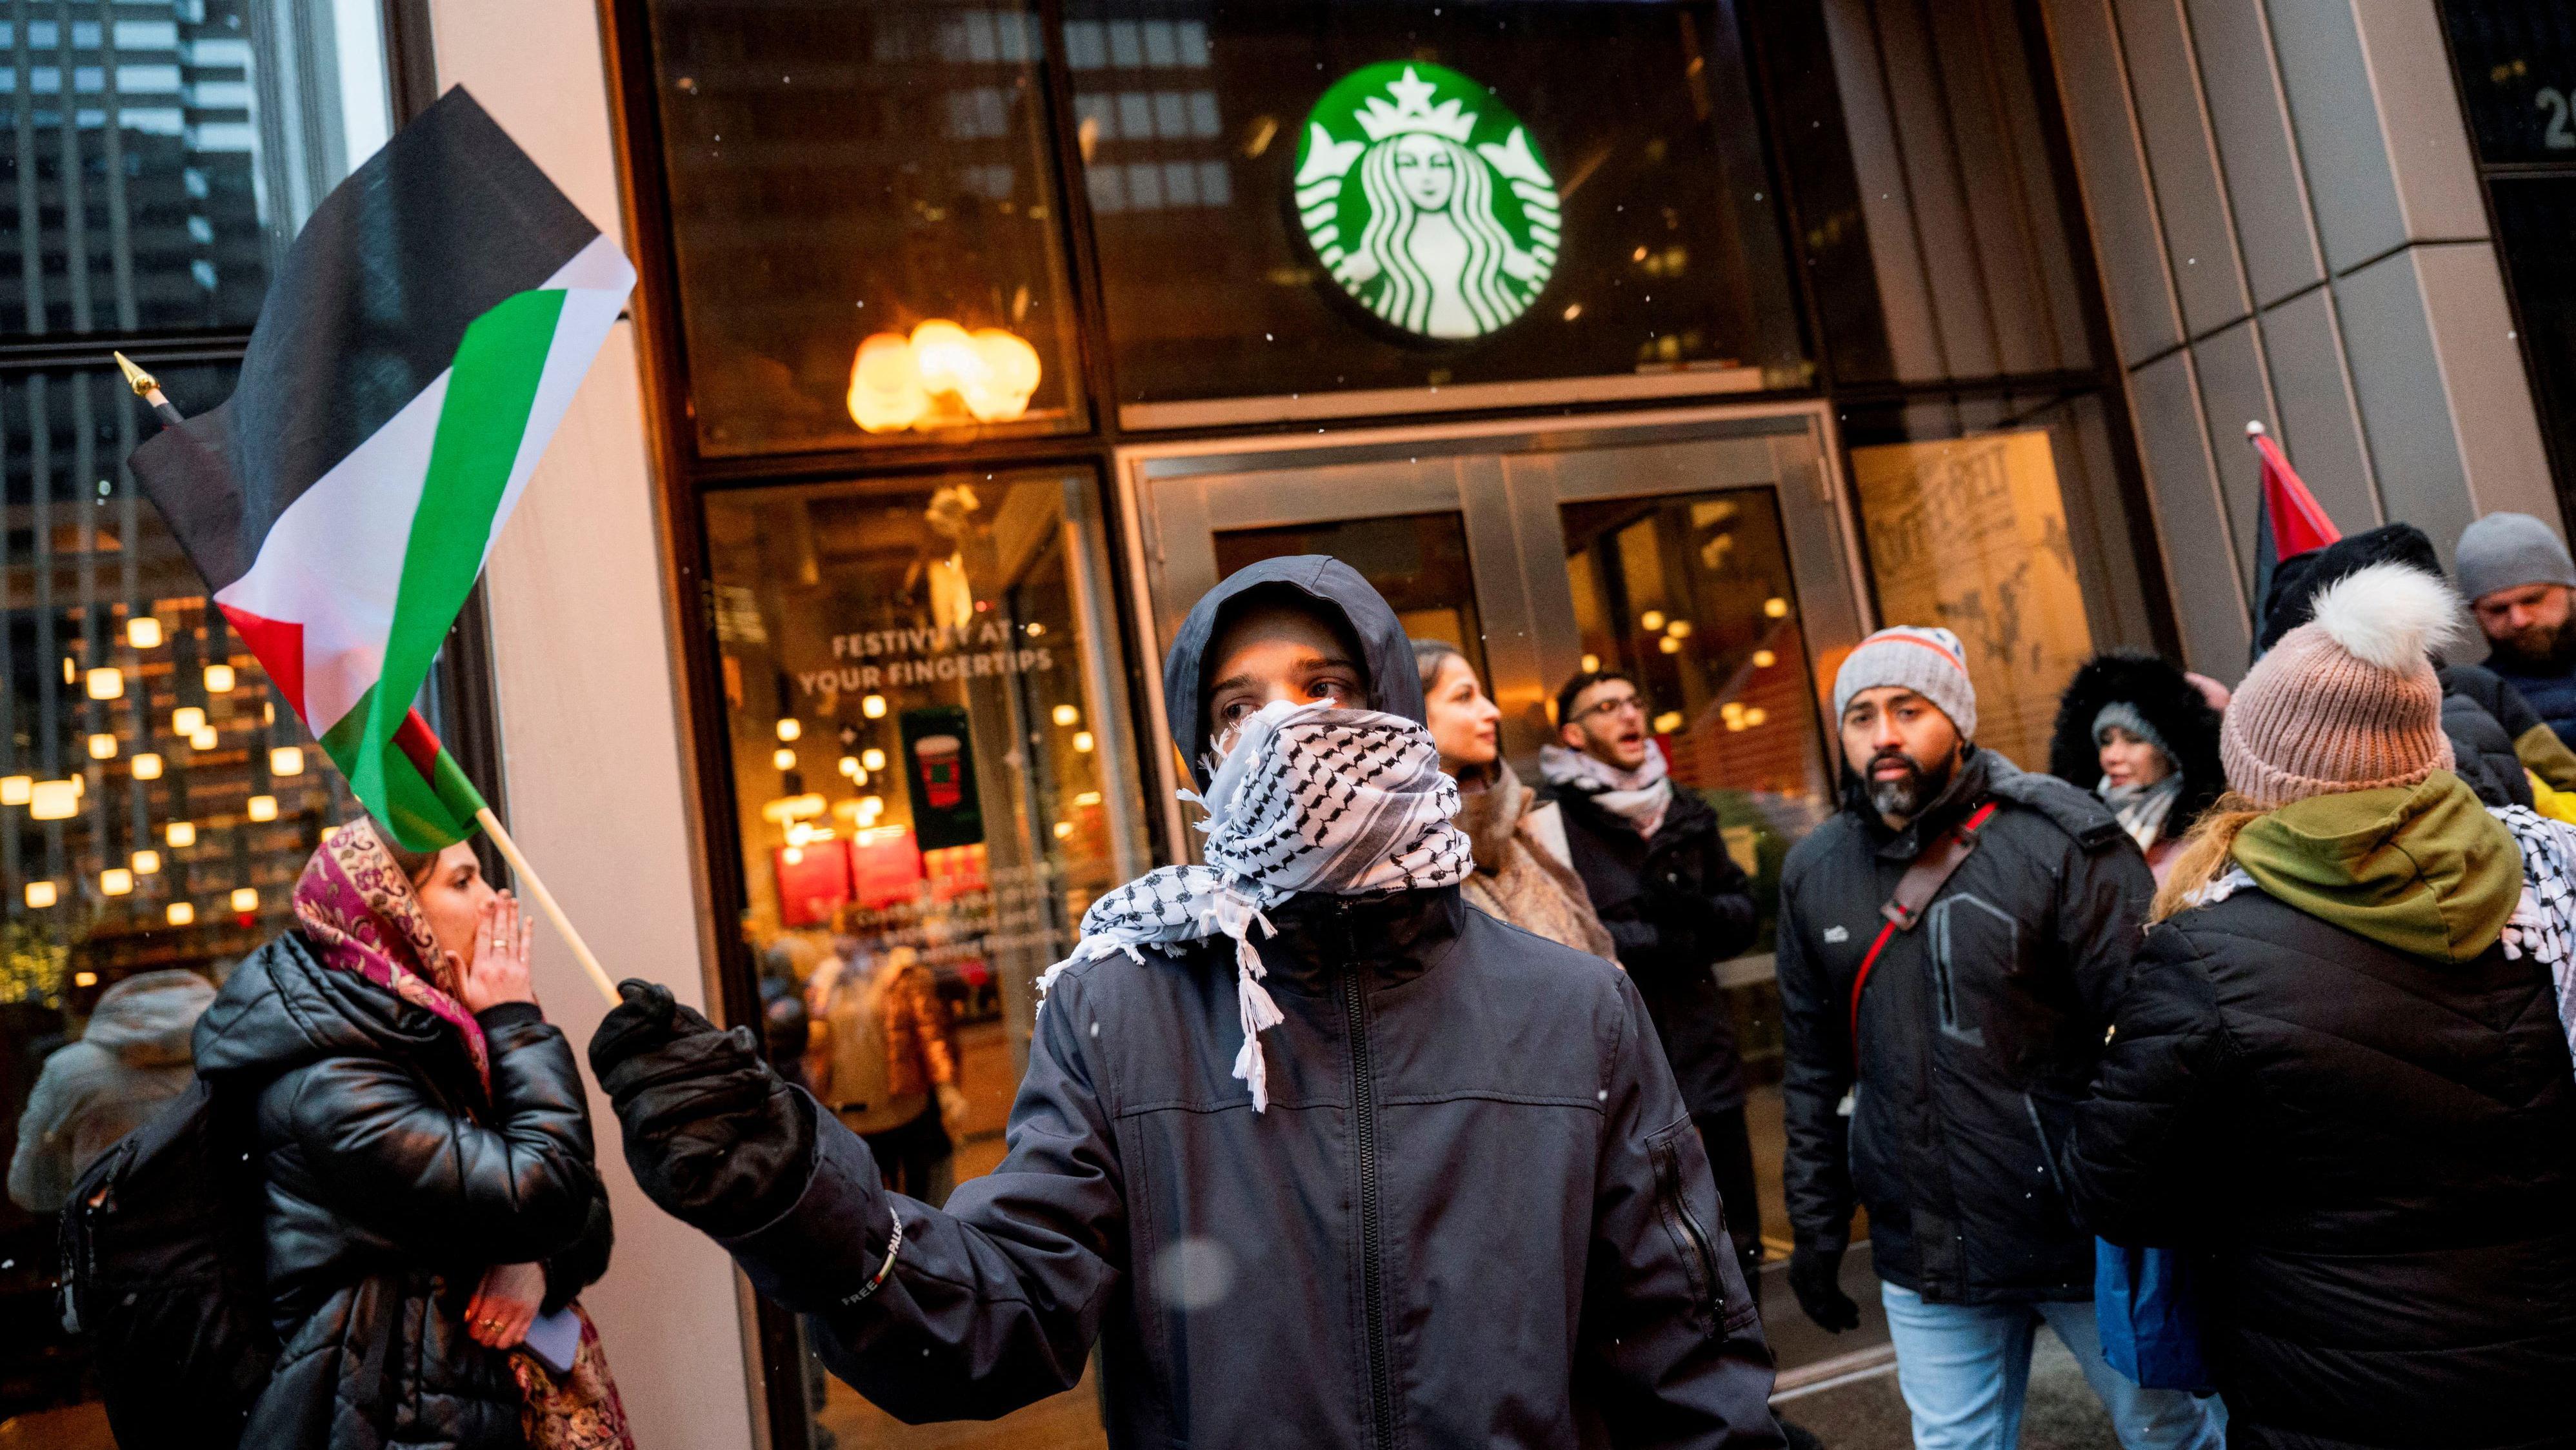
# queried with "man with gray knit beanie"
point(1936, 1049)
point(2518, 580)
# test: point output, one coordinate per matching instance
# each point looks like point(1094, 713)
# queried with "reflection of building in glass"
point(1146, 115)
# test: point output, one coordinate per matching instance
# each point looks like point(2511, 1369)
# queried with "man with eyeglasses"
point(1676, 904)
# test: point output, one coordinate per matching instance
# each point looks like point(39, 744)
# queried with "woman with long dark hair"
point(425, 1151)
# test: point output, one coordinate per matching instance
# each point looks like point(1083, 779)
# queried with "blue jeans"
point(1964, 1369)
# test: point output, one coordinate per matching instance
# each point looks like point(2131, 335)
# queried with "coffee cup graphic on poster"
point(939, 774)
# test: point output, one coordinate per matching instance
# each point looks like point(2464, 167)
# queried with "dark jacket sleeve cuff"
point(829, 1244)
point(509, 1014)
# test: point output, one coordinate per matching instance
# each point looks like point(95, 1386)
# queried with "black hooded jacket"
point(1979, 1030)
point(2170, 704)
point(1475, 1212)
point(391, 1182)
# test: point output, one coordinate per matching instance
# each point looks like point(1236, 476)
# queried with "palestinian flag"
point(415, 353)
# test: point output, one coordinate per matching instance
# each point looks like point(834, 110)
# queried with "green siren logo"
point(1426, 200)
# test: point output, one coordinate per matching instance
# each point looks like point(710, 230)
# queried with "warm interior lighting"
point(783, 758)
point(1776, 607)
point(1668, 722)
point(1066, 714)
point(1591, 663)
point(261, 808)
point(107, 682)
point(1652, 619)
point(1764, 659)
point(80, 786)
point(790, 728)
point(872, 706)
point(1063, 829)
point(1087, 798)
point(286, 760)
point(219, 679)
point(791, 808)
point(143, 631)
point(71, 670)
point(872, 758)
point(850, 767)
point(1678, 629)
point(181, 913)
point(203, 739)
point(40, 894)
point(115, 881)
point(1082, 742)
point(187, 720)
point(181, 835)
point(899, 382)
point(54, 800)
point(15, 789)
point(102, 746)
point(147, 862)
point(870, 807)
point(147, 766)
point(245, 899)
point(1669, 644)
point(793, 855)
point(1755, 716)
point(84, 979)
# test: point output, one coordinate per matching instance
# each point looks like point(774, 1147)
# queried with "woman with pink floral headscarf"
point(425, 1147)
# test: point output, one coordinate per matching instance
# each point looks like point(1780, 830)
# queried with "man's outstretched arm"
point(986, 1307)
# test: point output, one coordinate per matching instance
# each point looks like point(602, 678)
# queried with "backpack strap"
point(1922, 881)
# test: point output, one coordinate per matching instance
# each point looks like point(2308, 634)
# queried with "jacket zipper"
point(1364, 1114)
point(1707, 1256)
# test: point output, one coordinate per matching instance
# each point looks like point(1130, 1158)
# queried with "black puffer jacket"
point(392, 1183)
point(2171, 705)
point(1476, 1212)
point(2373, 1157)
point(1677, 905)
point(1979, 1030)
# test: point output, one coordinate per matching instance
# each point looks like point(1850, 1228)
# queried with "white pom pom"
point(2389, 615)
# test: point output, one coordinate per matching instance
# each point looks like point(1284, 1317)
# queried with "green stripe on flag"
point(482, 424)
point(425, 813)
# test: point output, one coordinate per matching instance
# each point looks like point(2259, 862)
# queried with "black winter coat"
point(2485, 718)
point(391, 1184)
point(1677, 905)
point(1979, 1030)
point(1476, 1212)
point(2372, 1158)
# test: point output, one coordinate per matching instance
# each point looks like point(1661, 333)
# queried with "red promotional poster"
point(813, 880)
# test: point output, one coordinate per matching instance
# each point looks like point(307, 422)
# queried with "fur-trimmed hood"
point(2168, 702)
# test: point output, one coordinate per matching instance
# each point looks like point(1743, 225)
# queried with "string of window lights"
point(60, 800)
point(941, 376)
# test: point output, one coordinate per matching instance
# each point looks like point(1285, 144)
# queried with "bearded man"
point(1314, 1153)
point(2518, 579)
point(1936, 1054)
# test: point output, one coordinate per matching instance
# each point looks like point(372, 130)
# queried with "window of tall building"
point(157, 798)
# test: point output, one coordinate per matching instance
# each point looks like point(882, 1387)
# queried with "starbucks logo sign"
point(1426, 200)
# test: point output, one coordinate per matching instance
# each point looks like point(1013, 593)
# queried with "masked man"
point(1315, 1154)
point(1933, 1072)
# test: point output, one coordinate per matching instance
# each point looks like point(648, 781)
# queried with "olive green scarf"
point(2423, 870)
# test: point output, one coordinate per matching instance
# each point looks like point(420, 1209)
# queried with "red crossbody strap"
point(1906, 909)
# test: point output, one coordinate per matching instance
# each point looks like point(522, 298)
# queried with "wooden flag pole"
point(536, 887)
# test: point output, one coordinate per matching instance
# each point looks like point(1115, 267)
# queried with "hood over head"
point(1325, 584)
point(2168, 702)
point(2422, 869)
point(2300, 578)
point(148, 1019)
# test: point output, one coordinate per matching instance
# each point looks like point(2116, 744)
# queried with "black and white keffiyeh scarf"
point(1641, 796)
point(1310, 799)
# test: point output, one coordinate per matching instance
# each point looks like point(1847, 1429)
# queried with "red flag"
point(2298, 522)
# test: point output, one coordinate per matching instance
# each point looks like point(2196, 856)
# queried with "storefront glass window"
point(1418, 561)
point(841, 173)
point(934, 777)
point(1417, 196)
point(157, 802)
point(1977, 517)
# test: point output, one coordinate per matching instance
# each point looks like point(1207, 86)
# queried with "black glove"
point(1815, 1276)
point(714, 1136)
